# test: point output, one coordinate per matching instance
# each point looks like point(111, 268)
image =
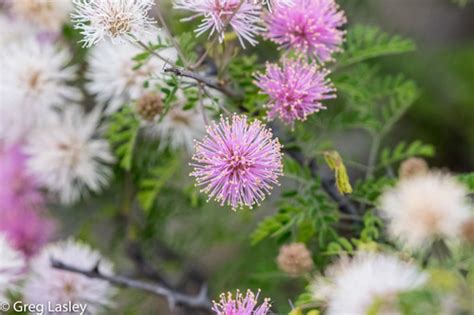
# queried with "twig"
point(216, 86)
point(174, 298)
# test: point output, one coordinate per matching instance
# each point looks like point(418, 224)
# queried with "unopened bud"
point(295, 259)
point(149, 106)
point(412, 166)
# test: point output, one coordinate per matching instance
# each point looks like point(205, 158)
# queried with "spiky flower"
point(237, 162)
point(12, 265)
point(47, 285)
point(242, 16)
point(422, 208)
point(276, 3)
point(112, 76)
point(240, 304)
point(149, 106)
point(368, 278)
point(67, 157)
point(48, 15)
point(311, 27)
point(295, 259)
point(119, 20)
point(296, 89)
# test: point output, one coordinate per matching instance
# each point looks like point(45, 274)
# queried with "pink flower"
point(26, 229)
point(237, 162)
point(21, 203)
point(295, 90)
point(241, 305)
point(17, 188)
point(308, 26)
point(244, 18)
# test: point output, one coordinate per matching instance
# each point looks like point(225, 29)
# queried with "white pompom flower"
point(353, 287)
point(113, 79)
point(119, 20)
point(67, 157)
point(47, 15)
point(46, 285)
point(12, 266)
point(36, 75)
point(423, 208)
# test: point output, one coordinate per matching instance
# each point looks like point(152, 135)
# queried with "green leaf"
point(151, 185)
point(404, 151)
point(335, 163)
point(122, 133)
point(366, 42)
point(468, 180)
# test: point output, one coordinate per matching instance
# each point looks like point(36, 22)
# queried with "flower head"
point(48, 285)
point(178, 129)
point(241, 305)
point(295, 259)
point(36, 76)
point(67, 158)
point(357, 284)
point(238, 162)
point(113, 79)
point(49, 15)
point(119, 20)
point(242, 16)
point(308, 26)
point(413, 167)
point(18, 188)
point(12, 265)
point(295, 90)
point(425, 207)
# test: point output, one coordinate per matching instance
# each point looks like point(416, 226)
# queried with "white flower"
point(12, 265)
point(368, 278)
point(120, 20)
point(48, 285)
point(48, 15)
point(112, 77)
point(178, 128)
point(36, 76)
point(424, 207)
point(67, 158)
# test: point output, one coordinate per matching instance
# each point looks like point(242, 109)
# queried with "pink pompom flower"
point(309, 26)
point(242, 16)
point(295, 90)
point(241, 305)
point(237, 162)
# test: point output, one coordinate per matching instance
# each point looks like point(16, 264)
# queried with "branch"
point(216, 86)
point(199, 301)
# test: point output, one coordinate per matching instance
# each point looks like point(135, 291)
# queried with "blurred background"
point(193, 242)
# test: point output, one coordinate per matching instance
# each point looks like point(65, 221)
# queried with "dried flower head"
point(357, 284)
point(149, 106)
point(240, 304)
point(49, 15)
point(308, 26)
point(425, 207)
point(295, 259)
point(295, 90)
point(47, 285)
point(413, 166)
point(242, 16)
point(237, 162)
point(12, 265)
point(119, 20)
point(66, 156)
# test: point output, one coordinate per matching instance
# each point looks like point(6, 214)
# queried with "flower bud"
point(295, 259)
point(149, 106)
point(467, 231)
point(411, 167)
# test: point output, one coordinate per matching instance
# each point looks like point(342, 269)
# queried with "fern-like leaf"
point(404, 151)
